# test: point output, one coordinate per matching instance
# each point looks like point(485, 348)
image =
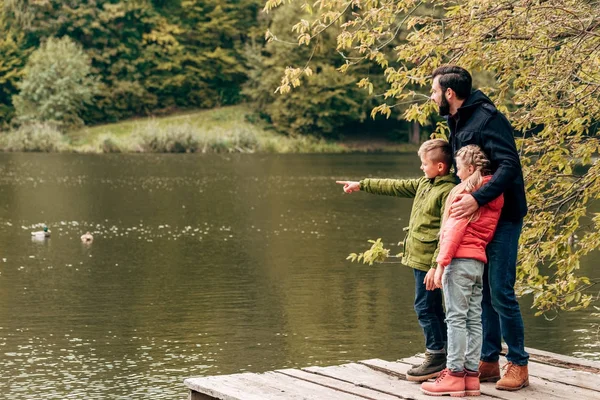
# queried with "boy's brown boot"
point(489, 371)
point(515, 378)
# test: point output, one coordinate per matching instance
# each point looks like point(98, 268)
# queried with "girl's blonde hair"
point(469, 155)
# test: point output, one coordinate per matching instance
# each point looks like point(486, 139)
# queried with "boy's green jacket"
point(421, 243)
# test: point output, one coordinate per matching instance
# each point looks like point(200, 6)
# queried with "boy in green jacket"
point(421, 245)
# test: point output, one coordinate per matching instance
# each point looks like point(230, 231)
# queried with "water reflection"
point(204, 265)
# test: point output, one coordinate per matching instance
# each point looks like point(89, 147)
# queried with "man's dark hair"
point(455, 78)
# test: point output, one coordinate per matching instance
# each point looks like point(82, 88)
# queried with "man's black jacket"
point(479, 122)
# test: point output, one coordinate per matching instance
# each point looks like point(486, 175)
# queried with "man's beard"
point(444, 106)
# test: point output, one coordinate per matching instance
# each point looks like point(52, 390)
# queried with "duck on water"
point(41, 234)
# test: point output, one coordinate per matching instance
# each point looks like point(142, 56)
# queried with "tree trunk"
point(415, 133)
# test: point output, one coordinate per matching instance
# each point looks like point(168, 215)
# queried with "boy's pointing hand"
point(350, 186)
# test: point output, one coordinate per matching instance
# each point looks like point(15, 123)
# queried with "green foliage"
point(16, 13)
point(12, 64)
point(377, 253)
point(34, 137)
point(177, 139)
point(154, 57)
point(109, 144)
point(223, 130)
point(149, 56)
point(545, 58)
point(213, 36)
point(327, 105)
point(128, 43)
point(187, 138)
point(57, 84)
point(328, 102)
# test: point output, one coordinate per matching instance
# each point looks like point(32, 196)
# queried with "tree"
point(149, 56)
point(545, 57)
point(12, 64)
point(57, 84)
point(323, 107)
point(330, 104)
point(211, 67)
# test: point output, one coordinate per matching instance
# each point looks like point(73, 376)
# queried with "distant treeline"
point(157, 57)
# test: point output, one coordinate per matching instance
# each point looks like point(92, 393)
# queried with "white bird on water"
point(41, 234)
point(87, 237)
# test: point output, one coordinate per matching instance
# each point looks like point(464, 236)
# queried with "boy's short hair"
point(437, 150)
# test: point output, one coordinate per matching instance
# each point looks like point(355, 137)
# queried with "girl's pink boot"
point(472, 386)
point(448, 383)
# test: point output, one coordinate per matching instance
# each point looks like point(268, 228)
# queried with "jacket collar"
point(438, 180)
point(475, 99)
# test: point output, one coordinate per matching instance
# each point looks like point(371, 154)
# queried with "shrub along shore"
point(221, 130)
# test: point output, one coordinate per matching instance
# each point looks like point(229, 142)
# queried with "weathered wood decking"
point(551, 376)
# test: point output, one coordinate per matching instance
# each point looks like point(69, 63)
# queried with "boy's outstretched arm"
point(350, 186)
point(392, 187)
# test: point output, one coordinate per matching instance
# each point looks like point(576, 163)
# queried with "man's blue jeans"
point(501, 317)
point(430, 313)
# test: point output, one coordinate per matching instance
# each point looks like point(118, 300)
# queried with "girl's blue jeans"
point(463, 283)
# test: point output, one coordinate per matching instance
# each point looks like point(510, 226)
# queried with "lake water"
point(206, 265)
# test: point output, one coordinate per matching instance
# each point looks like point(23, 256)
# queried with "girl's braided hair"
point(470, 155)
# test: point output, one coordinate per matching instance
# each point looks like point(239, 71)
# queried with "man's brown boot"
point(489, 371)
point(515, 378)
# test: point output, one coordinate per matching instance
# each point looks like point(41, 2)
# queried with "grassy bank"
point(226, 129)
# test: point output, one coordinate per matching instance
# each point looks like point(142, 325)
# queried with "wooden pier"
point(551, 376)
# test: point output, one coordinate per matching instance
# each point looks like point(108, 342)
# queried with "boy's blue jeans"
point(462, 282)
point(501, 313)
point(430, 313)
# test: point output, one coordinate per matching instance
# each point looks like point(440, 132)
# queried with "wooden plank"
point(236, 387)
point(199, 396)
point(398, 369)
point(582, 379)
point(336, 384)
point(552, 376)
point(269, 385)
point(543, 389)
point(539, 388)
point(547, 357)
point(551, 372)
point(416, 359)
point(307, 390)
point(536, 368)
point(361, 375)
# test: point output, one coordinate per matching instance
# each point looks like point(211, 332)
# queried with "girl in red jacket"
point(460, 272)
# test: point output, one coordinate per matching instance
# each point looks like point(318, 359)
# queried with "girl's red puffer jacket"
point(461, 238)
